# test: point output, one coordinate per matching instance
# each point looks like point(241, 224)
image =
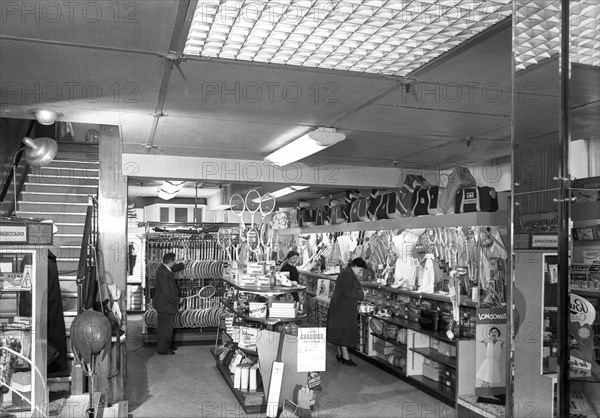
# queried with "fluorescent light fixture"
point(283, 192)
point(304, 146)
point(169, 189)
point(371, 36)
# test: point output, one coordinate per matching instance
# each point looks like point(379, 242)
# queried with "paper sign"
point(248, 338)
point(311, 349)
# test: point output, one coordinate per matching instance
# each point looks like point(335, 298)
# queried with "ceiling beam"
point(253, 171)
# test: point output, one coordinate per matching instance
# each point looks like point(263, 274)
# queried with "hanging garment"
point(427, 282)
point(405, 267)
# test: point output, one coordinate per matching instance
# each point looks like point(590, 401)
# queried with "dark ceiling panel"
point(57, 76)
point(485, 62)
point(133, 25)
point(258, 93)
point(425, 123)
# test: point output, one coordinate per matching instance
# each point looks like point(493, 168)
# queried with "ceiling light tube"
point(282, 192)
point(304, 146)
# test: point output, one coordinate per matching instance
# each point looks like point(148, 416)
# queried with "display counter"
point(400, 341)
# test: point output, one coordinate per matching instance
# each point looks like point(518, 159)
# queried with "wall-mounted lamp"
point(45, 116)
point(40, 152)
point(304, 146)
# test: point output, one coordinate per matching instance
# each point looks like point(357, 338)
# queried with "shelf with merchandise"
point(499, 218)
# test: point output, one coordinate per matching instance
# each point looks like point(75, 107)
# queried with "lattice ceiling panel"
point(538, 32)
point(387, 37)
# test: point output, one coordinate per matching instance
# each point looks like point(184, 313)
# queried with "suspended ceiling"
point(124, 64)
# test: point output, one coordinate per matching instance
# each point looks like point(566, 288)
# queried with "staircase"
point(60, 191)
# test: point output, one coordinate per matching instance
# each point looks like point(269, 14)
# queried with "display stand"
point(197, 320)
point(253, 402)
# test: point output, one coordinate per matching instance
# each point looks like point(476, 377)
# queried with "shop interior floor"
point(188, 384)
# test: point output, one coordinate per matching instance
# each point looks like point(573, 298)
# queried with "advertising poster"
point(490, 353)
point(311, 349)
point(581, 337)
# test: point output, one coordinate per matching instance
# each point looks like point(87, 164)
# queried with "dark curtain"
point(57, 335)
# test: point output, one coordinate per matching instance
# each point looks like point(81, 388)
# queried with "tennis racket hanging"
point(253, 243)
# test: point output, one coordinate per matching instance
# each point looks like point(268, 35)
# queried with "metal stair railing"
point(11, 176)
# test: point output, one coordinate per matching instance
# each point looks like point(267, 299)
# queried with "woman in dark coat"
point(342, 319)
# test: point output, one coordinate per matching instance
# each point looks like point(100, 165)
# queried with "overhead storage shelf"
point(429, 221)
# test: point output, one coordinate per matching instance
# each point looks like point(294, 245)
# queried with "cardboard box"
point(21, 381)
point(444, 348)
point(382, 342)
point(431, 372)
point(383, 349)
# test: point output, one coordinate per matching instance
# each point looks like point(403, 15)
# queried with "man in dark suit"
point(166, 303)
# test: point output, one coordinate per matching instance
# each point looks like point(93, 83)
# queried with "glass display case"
point(23, 323)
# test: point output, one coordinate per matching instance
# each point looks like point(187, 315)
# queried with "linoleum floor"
point(188, 384)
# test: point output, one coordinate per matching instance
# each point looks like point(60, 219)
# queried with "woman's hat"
point(359, 262)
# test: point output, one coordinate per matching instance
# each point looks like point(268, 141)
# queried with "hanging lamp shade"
point(41, 151)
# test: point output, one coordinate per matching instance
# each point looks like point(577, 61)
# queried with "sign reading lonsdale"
point(26, 233)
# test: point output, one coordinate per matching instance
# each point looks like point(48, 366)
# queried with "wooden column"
point(112, 242)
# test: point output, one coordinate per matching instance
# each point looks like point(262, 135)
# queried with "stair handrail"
point(12, 173)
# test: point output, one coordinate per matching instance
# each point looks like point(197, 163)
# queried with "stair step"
point(70, 304)
point(68, 241)
point(53, 207)
point(68, 217)
point(65, 170)
point(68, 283)
point(68, 294)
point(67, 253)
point(68, 267)
point(55, 197)
point(87, 164)
point(69, 228)
point(62, 188)
point(71, 180)
point(70, 146)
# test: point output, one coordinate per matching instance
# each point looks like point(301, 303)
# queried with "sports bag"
point(351, 196)
point(306, 217)
point(382, 209)
point(375, 200)
point(337, 214)
point(323, 215)
point(425, 202)
point(459, 177)
point(406, 199)
point(358, 210)
point(476, 199)
point(393, 210)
